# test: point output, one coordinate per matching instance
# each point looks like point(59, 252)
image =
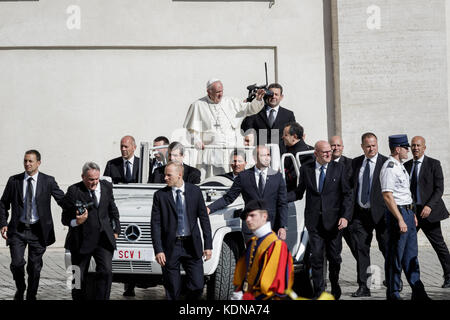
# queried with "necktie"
point(271, 117)
point(128, 171)
point(180, 214)
point(29, 199)
point(414, 181)
point(365, 191)
point(321, 178)
point(94, 197)
point(261, 184)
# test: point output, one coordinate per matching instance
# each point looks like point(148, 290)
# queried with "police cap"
point(398, 140)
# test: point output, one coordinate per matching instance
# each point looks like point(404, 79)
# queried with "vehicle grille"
point(145, 238)
point(132, 266)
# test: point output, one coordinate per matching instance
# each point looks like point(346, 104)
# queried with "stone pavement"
point(54, 277)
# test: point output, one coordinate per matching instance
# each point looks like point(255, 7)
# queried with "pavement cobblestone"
point(53, 278)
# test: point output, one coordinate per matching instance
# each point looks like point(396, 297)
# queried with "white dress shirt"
point(318, 165)
point(268, 109)
point(186, 229)
point(34, 215)
point(125, 165)
point(98, 193)
point(264, 173)
point(373, 162)
point(419, 166)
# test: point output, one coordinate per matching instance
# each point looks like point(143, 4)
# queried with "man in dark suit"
point(176, 153)
point(92, 233)
point(337, 146)
point(237, 163)
point(328, 210)
point(294, 140)
point(369, 208)
point(160, 155)
point(124, 169)
point(28, 195)
point(270, 121)
point(176, 237)
point(260, 182)
point(427, 187)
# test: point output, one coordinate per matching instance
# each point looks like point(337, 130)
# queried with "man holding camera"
point(215, 120)
point(269, 123)
point(93, 220)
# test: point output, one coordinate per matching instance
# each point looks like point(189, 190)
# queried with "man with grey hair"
point(93, 220)
point(176, 154)
point(215, 120)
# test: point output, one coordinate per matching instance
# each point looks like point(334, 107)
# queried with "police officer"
point(401, 223)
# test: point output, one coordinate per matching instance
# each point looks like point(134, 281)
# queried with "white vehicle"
point(134, 260)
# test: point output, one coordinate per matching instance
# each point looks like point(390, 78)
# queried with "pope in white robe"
point(215, 120)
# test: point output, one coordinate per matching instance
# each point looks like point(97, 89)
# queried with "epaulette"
point(390, 164)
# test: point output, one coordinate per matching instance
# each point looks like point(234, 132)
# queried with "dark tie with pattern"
point(271, 117)
point(321, 178)
point(180, 214)
point(365, 191)
point(128, 171)
point(261, 184)
point(414, 181)
point(94, 197)
point(29, 200)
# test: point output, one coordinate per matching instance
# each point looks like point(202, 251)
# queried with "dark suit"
point(346, 233)
point(365, 221)
point(261, 122)
point(115, 169)
point(229, 175)
point(431, 187)
point(274, 195)
point(94, 237)
point(151, 171)
point(189, 251)
point(322, 213)
point(38, 236)
point(289, 169)
point(191, 175)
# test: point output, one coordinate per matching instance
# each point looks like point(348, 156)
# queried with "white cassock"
point(218, 124)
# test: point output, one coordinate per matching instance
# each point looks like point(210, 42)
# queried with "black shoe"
point(394, 298)
point(446, 282)
point(362, 291)
point(30, 297)
point(129, 292)
point(420, 296)
point(19, 295)
point(336, 291)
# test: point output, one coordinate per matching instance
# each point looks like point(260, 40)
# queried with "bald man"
point(427, 187)
point(337, 146)
point(327, 212)
point(124, 169)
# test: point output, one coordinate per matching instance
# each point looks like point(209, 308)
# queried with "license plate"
point(128, 254)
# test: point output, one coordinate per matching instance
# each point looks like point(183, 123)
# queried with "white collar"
point(373, 159)
point(174, 189)
point(263, 230)
point(268, 108)
point(318, 165)
point(35, 176)
point(258, 171)
point(420, 159)
point(337, 159)
point(131, 160)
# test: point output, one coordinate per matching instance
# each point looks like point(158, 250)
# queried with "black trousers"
point(27, 236)
point(362, 232)
point(102, 255)
point(433, 232)
point(323, 244)
point(183, 254)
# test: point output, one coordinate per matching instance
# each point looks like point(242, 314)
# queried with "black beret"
point(253, 205)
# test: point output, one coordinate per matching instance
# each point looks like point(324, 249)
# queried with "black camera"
point(82, 206)
point(252, 92)
point(253, 88)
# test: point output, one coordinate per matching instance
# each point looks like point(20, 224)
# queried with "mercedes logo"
point(132, 232)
